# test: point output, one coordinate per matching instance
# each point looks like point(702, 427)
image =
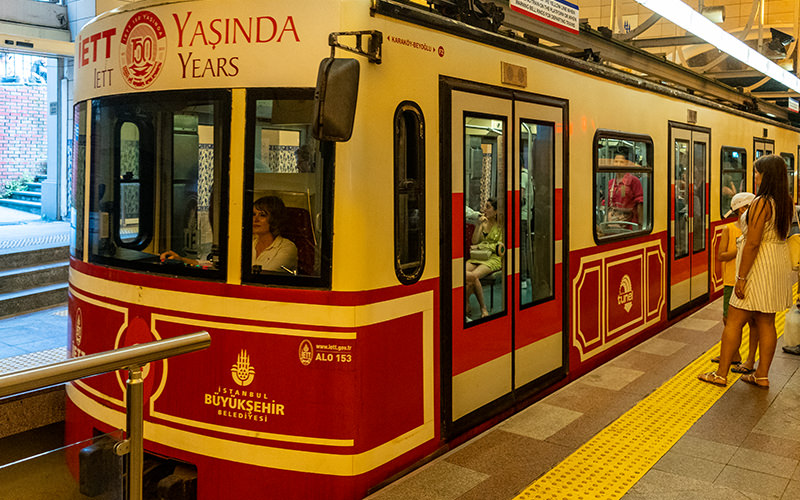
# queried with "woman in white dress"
point(271, 251)
point(763, 272)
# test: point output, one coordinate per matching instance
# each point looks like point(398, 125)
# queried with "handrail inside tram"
point(131, 358)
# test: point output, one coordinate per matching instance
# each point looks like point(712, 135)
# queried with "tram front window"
point(156, 182)
point(284, 220)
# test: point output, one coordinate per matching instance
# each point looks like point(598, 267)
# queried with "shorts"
point(726, 298)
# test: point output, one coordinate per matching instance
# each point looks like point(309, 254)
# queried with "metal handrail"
point(130, 358)
point(102, 362)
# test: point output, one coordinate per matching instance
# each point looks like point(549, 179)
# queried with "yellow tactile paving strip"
point(617, 457)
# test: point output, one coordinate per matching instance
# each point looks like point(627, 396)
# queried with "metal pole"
point(135, 429)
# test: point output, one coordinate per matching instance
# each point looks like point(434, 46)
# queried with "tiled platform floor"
point(33, 339)
point(746, 447)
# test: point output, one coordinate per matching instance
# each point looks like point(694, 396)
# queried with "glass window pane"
point(285, 203)
point(484, 215)
point(537, 167)
point(154, 180)
point(623, 186)
point(409, 214)
point(129, 182)
point(699, 197)
point(789, 159)
point(78, 173)
point(681, 158)
point(734, 165)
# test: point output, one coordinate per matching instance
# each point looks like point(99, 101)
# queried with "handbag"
point(791, 327)
point(794, 247)
point(479, 253)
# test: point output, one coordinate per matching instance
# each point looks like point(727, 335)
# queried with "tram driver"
point(271, 251)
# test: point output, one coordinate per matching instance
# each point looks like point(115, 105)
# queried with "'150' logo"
point(144, 49)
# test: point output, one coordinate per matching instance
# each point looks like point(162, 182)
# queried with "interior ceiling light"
point(692, 21)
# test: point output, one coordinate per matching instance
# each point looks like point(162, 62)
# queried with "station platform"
point(640, 427)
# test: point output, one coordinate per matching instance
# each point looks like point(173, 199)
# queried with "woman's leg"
point(767, 340)
point(752, 345)
point(474, 277)
point(731, 338)
point(469, 286)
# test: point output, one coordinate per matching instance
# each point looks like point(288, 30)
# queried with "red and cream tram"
point(334, 268)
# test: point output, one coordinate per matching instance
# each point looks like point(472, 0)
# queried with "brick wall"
point(23, 131)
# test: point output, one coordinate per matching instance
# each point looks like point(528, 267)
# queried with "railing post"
point(135, 429)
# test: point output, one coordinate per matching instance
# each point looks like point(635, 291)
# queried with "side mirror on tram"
point(335, 99)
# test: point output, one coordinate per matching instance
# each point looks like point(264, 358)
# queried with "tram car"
point(396, 234)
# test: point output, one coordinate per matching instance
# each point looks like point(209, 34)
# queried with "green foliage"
point(16, 185)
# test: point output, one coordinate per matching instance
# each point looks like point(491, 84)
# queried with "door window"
point(734, 166)
point(699, 197)
point(536, 153)
point(484, 216)
point(681, 158)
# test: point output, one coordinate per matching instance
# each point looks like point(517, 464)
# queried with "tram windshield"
point(159, 185)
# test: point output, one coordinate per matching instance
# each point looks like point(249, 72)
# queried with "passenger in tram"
point(485, 254)
point(271, 251)
point(763, 273)
point(626, 196)
point(726, 254)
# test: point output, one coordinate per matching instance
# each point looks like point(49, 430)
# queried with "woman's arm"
point(723, 254)
point(477, 234)
point(761, 211)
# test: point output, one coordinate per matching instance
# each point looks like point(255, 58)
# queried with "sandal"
point(742, 369)
point(715, 359)
point(751, 379)
point(713, 378)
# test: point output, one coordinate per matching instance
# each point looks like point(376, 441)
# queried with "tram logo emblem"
point(143, 51)
point(306, 352)
point(625, 297)
point(242, 373)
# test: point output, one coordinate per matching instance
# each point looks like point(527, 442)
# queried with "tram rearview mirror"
point(335, 99)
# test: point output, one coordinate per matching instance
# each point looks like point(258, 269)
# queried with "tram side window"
point(789, 159)
point(409, 192)
point(733, 162)
point(77, 195)
point(285, 219)
point(623, 185)
point(156, 182)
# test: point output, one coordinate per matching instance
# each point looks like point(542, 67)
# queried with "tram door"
point(506, 330)
point(689, 248)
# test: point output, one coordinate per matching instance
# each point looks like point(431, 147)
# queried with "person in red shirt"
point(625, 195)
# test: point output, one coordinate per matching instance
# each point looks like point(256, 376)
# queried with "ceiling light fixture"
point(692, 21)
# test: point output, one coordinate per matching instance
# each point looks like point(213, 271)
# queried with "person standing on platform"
point(726, 254)
point(763, 272)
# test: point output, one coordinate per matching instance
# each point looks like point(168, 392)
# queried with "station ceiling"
point(768, 26)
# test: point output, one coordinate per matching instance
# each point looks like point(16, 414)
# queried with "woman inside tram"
point(271, 251)
point(485, 255)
